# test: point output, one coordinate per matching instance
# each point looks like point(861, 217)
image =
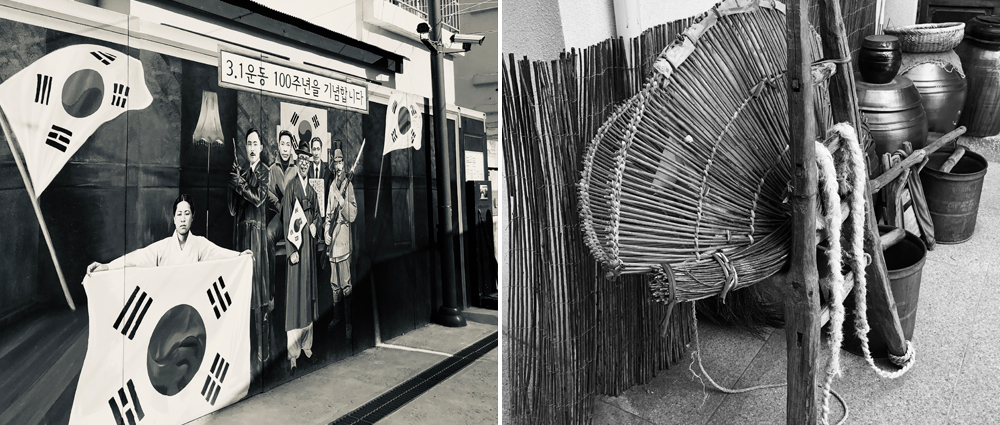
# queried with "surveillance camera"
point(468, 38)
point(423, 28)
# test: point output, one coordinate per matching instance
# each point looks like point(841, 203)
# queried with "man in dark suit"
point(319, 170)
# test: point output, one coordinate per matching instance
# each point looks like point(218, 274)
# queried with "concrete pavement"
point(468, 397)
point(955, 380)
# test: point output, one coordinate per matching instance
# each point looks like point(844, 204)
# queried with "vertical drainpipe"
point(627, 24)
point(627, 19)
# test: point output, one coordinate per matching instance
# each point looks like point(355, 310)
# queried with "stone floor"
point(956, 378)
point(468, 397)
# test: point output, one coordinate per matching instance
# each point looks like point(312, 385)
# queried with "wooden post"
point(844, 102)
point(802, 292)
point(16, 153)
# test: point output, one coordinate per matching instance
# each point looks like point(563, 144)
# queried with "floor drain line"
point(392, 400)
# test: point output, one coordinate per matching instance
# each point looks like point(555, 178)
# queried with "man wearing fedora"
point(341, 209)
point(302, 307)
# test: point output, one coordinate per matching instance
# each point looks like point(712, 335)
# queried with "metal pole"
point(449, 313)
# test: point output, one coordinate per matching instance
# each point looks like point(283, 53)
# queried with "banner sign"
point(248, 71)
point(166, 345)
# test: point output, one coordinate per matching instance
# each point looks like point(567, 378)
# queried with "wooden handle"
point(953, 160)
point(918, 155)
point(893, 237)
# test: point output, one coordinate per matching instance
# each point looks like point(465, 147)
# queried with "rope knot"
point(732, 279)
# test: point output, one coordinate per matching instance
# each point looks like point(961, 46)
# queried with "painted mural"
point(173, 246)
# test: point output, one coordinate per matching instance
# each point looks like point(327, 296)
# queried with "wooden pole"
point(379, 190)
point(844, 102)
point(34, 203)
point(802, 292)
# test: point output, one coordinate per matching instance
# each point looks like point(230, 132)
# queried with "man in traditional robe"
point(302, 308)
point(341, 209)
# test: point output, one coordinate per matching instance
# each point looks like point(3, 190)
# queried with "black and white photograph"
point(750, 211)
point(231, 212)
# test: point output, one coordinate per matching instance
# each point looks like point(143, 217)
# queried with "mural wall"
point(136, 152)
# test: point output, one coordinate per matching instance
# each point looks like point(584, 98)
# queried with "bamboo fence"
point(569, 333)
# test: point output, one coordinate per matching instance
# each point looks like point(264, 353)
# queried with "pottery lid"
point(984, 28)
point(896, 95)
point(880, 42)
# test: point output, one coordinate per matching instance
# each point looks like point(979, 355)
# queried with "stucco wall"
point(542, 29)
point(532, 28)
point(656, 12)
point(900, 13)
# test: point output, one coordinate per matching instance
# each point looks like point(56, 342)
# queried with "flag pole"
point(34, 203)
point(379, 190)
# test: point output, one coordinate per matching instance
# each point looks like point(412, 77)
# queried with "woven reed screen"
point(569, 333)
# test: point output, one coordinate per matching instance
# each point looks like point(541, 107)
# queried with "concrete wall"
point(543, 29)
point(660, 12)
point(587, 22)
point(532, 28)
point(900, 13)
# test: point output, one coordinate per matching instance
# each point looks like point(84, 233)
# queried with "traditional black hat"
point(303, 149)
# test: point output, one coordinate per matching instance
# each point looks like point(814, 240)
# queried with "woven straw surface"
point(928, 38)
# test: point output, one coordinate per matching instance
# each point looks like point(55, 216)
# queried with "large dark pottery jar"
point(879, 58)
point(980, 53)
point(942, 94)
point(894, 114)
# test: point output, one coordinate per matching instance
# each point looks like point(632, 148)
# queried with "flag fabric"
point(299, 223)
point(55, 104)
point(166, 345)
point(403, 124)
point(305, 122)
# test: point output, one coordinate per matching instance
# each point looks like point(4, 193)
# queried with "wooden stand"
point(804, 316)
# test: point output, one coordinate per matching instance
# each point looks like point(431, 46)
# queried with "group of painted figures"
point(263, 202)
point(266, 202)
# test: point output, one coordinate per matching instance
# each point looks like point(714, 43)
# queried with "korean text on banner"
point(55, 104)
point(166, 344)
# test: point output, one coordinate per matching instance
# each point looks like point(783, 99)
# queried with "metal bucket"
point(905, 264)
point(953, 198)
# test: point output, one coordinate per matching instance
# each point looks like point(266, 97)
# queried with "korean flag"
point(403, 124)
point(166, 345)
point(55, 104)
point(299, 223)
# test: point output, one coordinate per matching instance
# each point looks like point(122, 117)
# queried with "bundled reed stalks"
point(570, 333)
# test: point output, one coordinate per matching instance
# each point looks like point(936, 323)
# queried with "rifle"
point(343, 193)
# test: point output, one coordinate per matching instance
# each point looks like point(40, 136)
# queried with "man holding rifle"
point(341, 211)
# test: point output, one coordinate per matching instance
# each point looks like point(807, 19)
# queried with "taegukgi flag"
point(55, 104)
point(403, 124)
point(166, 345)
point(298, 224)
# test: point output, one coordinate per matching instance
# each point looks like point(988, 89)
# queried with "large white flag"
point(166, 344)
point(403, 123)
point(55, 104)
point(304, 122)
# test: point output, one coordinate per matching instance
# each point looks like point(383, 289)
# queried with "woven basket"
point(927, 38)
